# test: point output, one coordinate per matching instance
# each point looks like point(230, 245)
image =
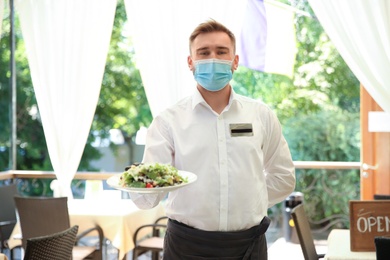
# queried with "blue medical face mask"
point(213, 74)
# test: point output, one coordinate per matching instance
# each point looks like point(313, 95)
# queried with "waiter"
point(234, 145)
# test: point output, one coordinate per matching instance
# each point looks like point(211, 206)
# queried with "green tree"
point(122, 102)
point(31, 145)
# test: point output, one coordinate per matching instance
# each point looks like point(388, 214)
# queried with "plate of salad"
point(151, 178)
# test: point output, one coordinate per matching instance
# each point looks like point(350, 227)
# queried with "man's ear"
point(235, 62)
point(190, 63)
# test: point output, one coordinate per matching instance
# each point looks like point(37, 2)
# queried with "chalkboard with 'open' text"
point(368, 219)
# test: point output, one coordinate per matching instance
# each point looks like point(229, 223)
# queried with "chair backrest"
point(7, 211)
point(55, 246)
point(302, 226)
point(160, 221)
point(382, 247)
point(40, 216)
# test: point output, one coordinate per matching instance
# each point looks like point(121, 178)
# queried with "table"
point(118, 218)
point(339, 247)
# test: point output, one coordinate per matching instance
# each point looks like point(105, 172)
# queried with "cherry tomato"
point(149, 185)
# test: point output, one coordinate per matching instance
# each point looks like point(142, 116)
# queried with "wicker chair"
point(55, 246)
point(304, 233)
point(153, 242)
point(40, 216)
point(7, 215)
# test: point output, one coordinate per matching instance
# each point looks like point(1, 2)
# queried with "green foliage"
point(334, 136)
point(122, 103)
point(35, 187)
point(31, 145)
point(327, 194)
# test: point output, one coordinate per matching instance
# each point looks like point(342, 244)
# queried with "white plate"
point(113, 182)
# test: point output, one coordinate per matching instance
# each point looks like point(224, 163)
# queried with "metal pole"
point(12, 161)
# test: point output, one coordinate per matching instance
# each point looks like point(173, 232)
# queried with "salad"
point(150, 176)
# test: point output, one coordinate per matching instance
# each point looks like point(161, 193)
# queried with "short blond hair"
point(212, 26)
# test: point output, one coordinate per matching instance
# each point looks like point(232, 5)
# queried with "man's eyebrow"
point(218, 48)
point(222, 48)
point(203, 49)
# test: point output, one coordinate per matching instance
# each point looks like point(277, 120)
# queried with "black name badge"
point(241, 130)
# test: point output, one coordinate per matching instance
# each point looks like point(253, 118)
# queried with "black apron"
point(186, 243)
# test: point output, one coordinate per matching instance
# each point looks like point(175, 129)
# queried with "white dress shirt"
point(239, 175)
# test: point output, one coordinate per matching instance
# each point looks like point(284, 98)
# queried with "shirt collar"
point(198, 99)
point(235, 98)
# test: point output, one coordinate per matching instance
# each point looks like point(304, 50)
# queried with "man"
point(233, 144)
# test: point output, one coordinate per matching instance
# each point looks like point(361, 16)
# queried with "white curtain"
point(67, 43)
point(267, 40)
point(360, 30)
point(160, 30)
point(281, 46)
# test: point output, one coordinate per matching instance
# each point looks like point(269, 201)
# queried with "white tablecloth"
point(118, 218)
point(339, 247)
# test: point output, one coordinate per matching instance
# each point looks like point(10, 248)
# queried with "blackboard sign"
point(368, 219)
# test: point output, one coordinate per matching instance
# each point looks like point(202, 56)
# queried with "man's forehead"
point(215, 40)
